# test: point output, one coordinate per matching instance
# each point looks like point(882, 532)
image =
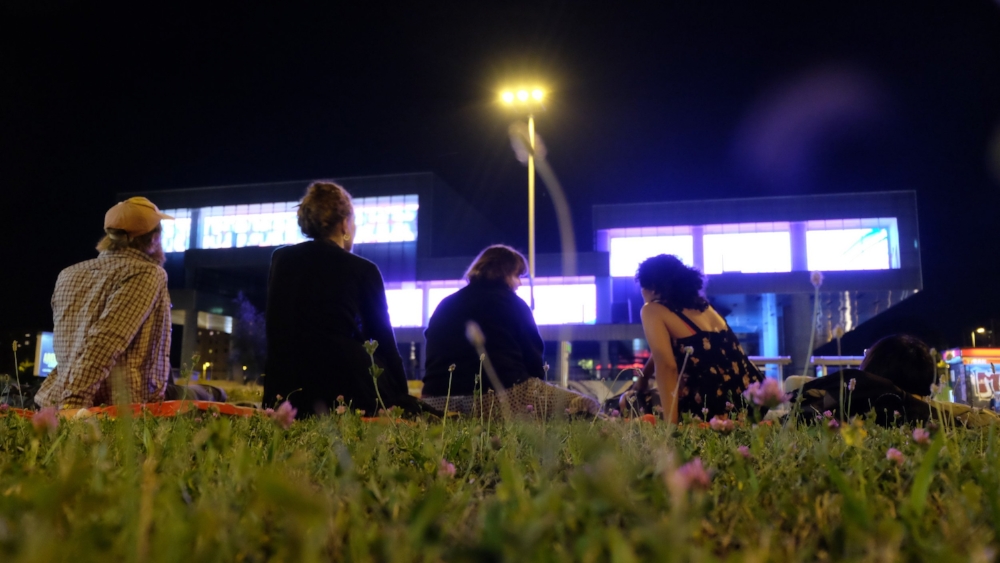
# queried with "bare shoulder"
point(653, 310)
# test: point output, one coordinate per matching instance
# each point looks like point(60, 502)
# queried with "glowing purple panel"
point(848, 249)
point(562, 303)
point(748, 253)
point(406, 306)
point(628, 252)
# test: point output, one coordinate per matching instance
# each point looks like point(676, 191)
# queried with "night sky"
point(665, 101)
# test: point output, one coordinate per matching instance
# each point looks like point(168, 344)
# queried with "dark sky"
point(657, 101)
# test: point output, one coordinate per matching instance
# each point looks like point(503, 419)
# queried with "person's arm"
point(658, 338)
point(378, 327)
point(128, 306)
point(642, 384)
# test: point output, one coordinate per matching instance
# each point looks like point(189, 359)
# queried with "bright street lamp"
point(979, 330)
point(528, 100)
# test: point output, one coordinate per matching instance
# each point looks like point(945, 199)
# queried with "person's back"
point(113, 312)
point(512, 340)
point(323, 304)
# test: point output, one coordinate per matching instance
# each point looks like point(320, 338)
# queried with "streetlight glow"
point(522, 95)
point(507, 97)
point(980, 330)
point(537, 94)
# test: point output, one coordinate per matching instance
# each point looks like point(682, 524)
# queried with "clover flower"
point(284, 416)
point(723, 425)
point(852, 384)
point(704, 412)
point(341, 409)
point(729, 406)
point(4, 408)
point(895, 456)
point(767, 394)
point(46, 420)
point(832, 424)
point(340, 398)
point(921, 436)
point(692, 475)
point(446, 469)
point(615, 413)
point(744, 451)
point(816, 279)
point(827, 414)
point(530, 408)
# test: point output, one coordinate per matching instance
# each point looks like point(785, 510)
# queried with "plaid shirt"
point(109, 312)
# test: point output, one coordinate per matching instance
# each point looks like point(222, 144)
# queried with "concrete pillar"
point(798, 325)
point(562, 363)
point(769, 330)
point(698, 247)
point(606, 369)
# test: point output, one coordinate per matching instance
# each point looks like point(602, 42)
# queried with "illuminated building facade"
point(757, 254)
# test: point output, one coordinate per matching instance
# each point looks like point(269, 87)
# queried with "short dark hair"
point(497, 263)
point(678, 285)
point(903, 359)
point(324, 206)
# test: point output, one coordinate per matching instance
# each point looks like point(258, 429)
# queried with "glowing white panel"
point(386, 219)
point(563, 303)
point(628, 252)
point(176, 235)
point(749, 253)
point(436, 295)
point(848, 249)
point(259, 229)
point(406, 306)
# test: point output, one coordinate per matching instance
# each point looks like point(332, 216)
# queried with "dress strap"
point(686, 320)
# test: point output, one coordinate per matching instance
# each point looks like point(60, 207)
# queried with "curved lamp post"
point(528, 100)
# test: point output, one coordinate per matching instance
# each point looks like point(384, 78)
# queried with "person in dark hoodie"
point(455, 371)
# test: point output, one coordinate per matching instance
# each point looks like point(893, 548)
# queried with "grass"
point(201, 488)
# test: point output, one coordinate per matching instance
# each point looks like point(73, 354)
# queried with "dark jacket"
point(322, 303)
point(891, 405)
point(512, 340)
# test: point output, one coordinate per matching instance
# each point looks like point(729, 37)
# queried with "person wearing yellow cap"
point(112, 314)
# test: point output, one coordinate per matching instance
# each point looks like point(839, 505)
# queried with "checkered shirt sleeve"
point(110, 312)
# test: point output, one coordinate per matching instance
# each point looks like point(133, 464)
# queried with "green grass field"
point(201, 488)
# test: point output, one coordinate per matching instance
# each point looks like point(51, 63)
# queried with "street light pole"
point(528, 100)
point(531, 208)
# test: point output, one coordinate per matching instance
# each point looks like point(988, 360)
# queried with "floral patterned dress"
point(716, 373)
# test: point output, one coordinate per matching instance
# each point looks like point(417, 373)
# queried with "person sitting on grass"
point(454, 371)
point(682, 329)
point(894, 381)
point(323, 304)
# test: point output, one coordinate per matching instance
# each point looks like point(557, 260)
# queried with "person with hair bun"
point(454, 371)
point(323, 304)
point(680, 324)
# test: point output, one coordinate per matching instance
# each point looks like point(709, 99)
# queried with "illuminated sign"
point(748, 253)
point(406, 306)
point(848, 249)
point(749, 248)
point(557, 300)
point(379, 220)
point(628, 252)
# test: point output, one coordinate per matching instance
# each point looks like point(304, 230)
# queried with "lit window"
point(436, 295)
point(562, 303)
point(848, 249)
point(748, 252)
point(628, 252)
point(406, 306)
point(176, 233)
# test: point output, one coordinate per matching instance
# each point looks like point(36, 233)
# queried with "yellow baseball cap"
point(136, 216)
